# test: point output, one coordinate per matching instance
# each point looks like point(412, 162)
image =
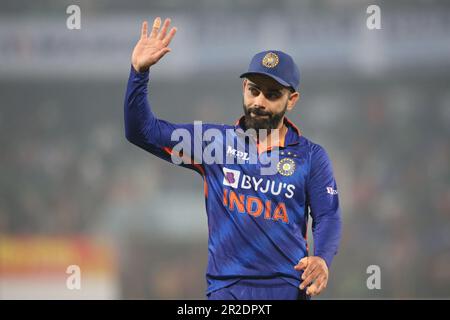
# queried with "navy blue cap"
point(276, 64)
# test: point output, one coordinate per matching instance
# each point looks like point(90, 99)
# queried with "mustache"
point(259, 111)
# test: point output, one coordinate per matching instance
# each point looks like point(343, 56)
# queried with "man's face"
point(265, 102)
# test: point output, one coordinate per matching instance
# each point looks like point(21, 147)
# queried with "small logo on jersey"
point(286, 167)
point(231, 177)
point(270, 60)
point(237, 154)
point(331, 191)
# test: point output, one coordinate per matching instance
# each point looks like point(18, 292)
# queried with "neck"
point(274, 136)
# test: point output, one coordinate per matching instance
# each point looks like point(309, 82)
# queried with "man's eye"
point(254, 92)
point(272, 96)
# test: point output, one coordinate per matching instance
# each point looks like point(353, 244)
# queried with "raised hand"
point(151, 48)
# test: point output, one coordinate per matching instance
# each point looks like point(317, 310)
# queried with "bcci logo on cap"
point(270, 60)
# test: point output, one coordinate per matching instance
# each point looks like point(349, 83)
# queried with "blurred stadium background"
point(74, 191)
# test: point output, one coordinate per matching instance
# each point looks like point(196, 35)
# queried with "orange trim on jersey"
point(281, 142)
point(196, 165)
point(293, 126)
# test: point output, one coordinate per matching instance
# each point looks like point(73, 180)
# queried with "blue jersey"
point(257, 223)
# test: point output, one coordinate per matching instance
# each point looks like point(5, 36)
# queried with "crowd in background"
point(66, 168)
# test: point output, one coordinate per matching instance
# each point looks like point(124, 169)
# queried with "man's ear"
point(244, 83)
point(292, 100)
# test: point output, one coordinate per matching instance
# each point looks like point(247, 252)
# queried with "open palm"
point(151, 48)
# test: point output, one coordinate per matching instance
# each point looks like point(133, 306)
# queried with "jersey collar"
point(293, 135)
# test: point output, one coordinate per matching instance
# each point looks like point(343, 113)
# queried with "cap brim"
point(277, 79)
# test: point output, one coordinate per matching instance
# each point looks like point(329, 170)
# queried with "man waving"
point(257, 218)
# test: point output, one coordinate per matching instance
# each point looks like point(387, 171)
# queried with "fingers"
point(144, 30)
point(302, 264)
point(155, 28)
point(169, 37)
point(312, 290)
point(315, 274)
point(317, 287)
point(163, 31)
point(322, 284)
point(161, 53)
point(309, 269)
point(310, 278)
point(162, 34)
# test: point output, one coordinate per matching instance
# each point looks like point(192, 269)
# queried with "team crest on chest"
point(286, 167)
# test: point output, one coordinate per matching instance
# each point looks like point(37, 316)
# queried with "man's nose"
point(260, 101)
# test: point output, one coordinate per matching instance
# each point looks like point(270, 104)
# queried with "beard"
point(257, 118)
